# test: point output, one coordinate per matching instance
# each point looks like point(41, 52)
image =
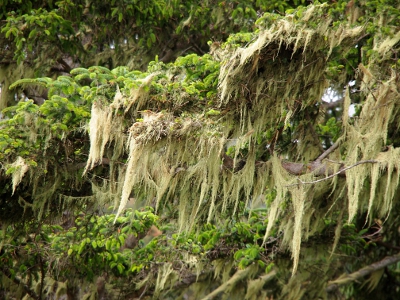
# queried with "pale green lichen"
point(19, 169)
point(176, 159)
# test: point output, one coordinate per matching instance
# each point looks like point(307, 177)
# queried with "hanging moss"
point(188, 136)
point(262, 86)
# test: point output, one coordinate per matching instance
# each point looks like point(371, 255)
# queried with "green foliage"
point(331, 129)
point(58, 115)
point(94, 244)
point(38, 27)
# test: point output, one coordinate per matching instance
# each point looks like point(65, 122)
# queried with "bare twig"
point(345, 279)
point(144, 292)
point(317, 167)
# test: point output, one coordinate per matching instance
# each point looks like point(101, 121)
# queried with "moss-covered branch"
point(19, 282)
point(349, 278)
point(239, 275)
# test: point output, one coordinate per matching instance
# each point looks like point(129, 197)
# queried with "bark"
point(348, 278)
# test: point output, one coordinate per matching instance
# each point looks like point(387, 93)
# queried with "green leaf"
point(153, 37)
point(120, 268)
point(213, 112)
point(32, 33)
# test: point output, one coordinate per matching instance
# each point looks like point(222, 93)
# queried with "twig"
point(67, 67)
point(334, 174)
point(389, 260)
point(144, 292)
point(42, 273)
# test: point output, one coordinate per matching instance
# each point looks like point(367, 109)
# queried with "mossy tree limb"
point(348, 278)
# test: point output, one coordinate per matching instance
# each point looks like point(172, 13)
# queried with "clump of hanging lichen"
point(165, 133)
point(176, 156)
point(266, 83)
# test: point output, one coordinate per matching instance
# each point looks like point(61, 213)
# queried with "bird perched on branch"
point(132, 241)
point(228, 163)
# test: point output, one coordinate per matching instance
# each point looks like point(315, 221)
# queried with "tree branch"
point(239, 275)
point(345, 279)
point(316, 166)
point(18, 281)
point(328, 151)
point(66, 67)
point(334, 174)
point(77, 166)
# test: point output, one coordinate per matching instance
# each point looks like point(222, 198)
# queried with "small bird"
point(228, 163)
point(132, 241)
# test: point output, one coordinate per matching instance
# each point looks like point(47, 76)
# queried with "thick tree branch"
point(77, 166)
point(18, 281)
point(239, 275)
point(317, 167)
point(387, 245)
point(66, 67)
point(345, 279)
point(342, 170)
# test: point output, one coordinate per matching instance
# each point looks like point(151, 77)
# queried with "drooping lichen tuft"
point(175, 153)
point(18, 169)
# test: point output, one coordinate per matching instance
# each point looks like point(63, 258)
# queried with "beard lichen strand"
point(365, 140)
point(280, 179)
point(283, 34)
point(237, 75)
point(298, 198)
point(294, 226)
point(140, 95)
point(99, 133)
point(202, 164)
point(166, 276)
point(355, 179)
point(20, 169)
point(214, 171)
point(130, 174)
point(392, 166)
